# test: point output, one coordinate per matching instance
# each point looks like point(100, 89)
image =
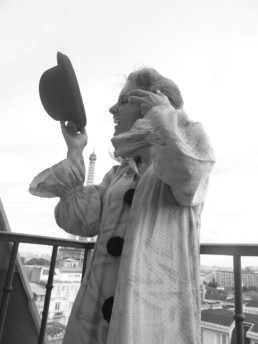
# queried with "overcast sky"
point(209, 48)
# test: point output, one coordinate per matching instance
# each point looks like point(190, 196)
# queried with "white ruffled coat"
point(155, 283)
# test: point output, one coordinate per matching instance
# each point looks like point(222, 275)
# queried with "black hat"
point(60, 93)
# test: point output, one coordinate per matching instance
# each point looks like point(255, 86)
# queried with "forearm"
point(75, 141)
point(183, 155)
point(74, 153)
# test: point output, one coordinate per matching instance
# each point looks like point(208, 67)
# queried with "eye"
point(123, 100)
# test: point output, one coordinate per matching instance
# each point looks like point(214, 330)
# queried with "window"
point(63, 288)
point(46, 272)
point(221, 338)
point(224, 339)
point(70, 305)
point(57, 306)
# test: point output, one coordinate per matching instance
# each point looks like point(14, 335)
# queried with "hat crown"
point(60, 94)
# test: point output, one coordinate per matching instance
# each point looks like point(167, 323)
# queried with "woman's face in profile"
point(125, 113)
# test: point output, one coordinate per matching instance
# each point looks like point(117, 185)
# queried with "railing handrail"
point(243, 250)
point(207, 248)
point(44, 240)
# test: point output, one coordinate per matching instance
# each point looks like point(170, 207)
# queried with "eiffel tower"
point(91, 171)
point(90, 181)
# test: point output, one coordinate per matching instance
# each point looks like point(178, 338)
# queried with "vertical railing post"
point(7, 287)
point(239, 315)
point(49, 288)
point(85, 260)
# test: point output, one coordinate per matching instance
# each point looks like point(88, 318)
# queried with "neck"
point(145, 159)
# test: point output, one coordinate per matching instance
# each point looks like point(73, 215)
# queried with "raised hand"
point(147, 100)
point(76, 141)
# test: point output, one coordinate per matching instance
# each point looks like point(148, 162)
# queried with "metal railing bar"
point(212, 249)
point(42, 240)
point(229, 249)
point(7, 287)
point(86, 253)
point(239, 315)
point(49, 288)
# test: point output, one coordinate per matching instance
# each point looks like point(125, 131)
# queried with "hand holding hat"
point(60, 93)
point(75, 141)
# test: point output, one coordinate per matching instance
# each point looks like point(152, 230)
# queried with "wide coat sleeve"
point(183, 155)
point(79, 209)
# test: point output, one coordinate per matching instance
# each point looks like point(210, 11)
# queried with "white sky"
point(209, 48)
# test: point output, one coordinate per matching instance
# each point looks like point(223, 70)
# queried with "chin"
point(117, 132)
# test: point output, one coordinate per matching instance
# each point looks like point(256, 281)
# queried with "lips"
point(117, 120)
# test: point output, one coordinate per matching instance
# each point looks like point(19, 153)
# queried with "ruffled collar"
point(130, 144)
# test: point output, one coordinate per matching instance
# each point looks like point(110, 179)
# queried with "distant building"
point(67, 280)
point(73, 253)
point(226, 278)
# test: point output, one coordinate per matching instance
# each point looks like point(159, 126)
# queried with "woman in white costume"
point(142, 286)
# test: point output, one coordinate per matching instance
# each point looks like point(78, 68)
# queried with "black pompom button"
point(107, 308)
point(115, 246)
point(128, 196)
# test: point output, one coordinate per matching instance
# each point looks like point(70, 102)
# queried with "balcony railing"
point(236, 251)
point(55, 243)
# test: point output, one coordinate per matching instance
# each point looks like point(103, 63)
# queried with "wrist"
point(74, 153)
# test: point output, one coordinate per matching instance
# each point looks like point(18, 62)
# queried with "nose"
point(114, 109)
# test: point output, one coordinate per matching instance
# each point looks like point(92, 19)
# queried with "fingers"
point(135, 99)
point(136, 96)
point(83, 131)
point(68, 127)
point(143, 93)
point(139, 93)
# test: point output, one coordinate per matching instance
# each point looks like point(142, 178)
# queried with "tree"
point(37, 261)
point(213, 284)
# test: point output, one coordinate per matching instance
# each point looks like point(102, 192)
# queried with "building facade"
point(67, 280)
point(226, 279)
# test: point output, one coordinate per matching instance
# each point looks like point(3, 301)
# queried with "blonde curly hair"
point(150, 80)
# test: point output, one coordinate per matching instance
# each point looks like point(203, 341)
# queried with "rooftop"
point(218, 316)
point(71, 269)
point(38, 289)
point(224, 317)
